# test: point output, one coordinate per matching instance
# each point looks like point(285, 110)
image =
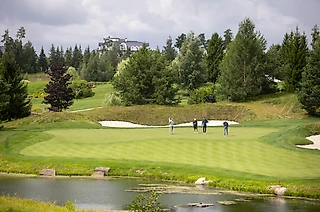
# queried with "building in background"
point(124, 44)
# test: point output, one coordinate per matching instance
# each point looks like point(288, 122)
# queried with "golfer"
point(225, 128)
point(204, 125)
point(171, 123)
point(195, 126)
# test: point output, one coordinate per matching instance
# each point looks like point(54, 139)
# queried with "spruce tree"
point(294, 52)
point(4, 97)
point(42, 62)
point(30, 59)
point(215, 52)
point(60, 95)
point(18, 105)
point(169, 51)
point(242, 66)
point(309, 93)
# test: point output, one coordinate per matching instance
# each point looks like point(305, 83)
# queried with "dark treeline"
point(228, 67)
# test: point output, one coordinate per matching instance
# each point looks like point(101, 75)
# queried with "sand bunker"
point(316, 142)
point(123, 124)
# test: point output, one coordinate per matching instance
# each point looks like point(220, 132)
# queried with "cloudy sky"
point(69, 22)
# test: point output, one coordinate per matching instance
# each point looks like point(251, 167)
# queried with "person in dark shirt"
point(195, 126)
point(204, 125)
point(225, 128)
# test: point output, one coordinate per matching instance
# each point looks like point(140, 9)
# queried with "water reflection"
point(111, 194)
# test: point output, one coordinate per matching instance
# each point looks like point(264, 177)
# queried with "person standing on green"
point(204, 125)
point(171, 123)
point(225, 128)
point(195, 126)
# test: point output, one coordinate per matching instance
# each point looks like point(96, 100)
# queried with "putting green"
point(241, 151)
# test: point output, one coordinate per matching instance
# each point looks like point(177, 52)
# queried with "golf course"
point(258, 152)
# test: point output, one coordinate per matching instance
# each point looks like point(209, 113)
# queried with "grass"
point(242, 151)
point(259, 152)
point(16, 204)
point(255, 155)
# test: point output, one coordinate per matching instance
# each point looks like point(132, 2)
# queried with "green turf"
point(242, 151)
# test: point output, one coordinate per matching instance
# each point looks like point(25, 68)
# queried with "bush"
point(81, 89)
point(144, 204)
point(202, 94)
point(113, 99)
point(39, 93)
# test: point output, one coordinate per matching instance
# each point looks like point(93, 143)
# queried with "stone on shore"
point(202, 181)
point(277, 189)
point(100, 171)
point(200, 204)
point(48, 172)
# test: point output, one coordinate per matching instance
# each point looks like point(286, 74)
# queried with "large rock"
point(100, 171)
point(277, 189)
point(200, 204)
point(202, 181)
point(48, 172)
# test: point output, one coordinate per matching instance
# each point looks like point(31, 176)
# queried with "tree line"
point(227, 67)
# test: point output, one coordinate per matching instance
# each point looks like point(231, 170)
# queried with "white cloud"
point(65, 22)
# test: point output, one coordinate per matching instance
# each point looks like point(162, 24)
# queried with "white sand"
point(316, 142)
point(123, 124)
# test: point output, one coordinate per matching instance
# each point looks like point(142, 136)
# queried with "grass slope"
point(259, 152)
point(242, 151)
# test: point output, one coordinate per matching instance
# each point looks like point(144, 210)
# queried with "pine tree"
point(4, 97)
point(169, 51)
point(315, 35)
point(18, 105)
point(86, 55)
point(215, 52)
point(76, 57)
point(242, 66)
point(68, 57)
point(60, 95)
point(179, 40)
point(42, 62)
point(228, 36)
point(294, 53)
point(30, 58)
point(275, 64)
point(309, 93)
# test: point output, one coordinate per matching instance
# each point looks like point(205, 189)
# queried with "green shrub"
point(145, 204)
point(39, 93)
point(81, 89)
point(71, 206)
point(112, 99)
point(202, 94)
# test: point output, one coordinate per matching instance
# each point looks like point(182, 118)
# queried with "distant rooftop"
point(126, 44)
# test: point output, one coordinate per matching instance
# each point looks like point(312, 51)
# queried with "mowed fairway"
point(242, 151)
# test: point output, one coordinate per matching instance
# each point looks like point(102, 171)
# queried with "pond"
point(115, 194)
